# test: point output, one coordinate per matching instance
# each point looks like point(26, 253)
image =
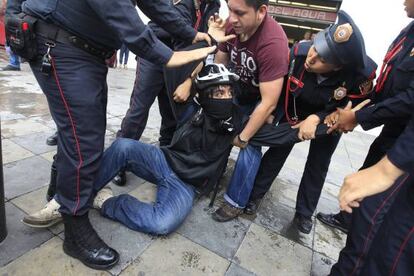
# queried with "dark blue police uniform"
point(395, 85)
point(306, 94)
point(76, 90)
point(149, 81)
point(74, 37)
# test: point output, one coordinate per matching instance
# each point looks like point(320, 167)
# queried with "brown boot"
point(226, 213)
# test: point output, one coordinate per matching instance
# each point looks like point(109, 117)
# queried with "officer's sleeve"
point(14, 6)
point(399, 107)
point(123, 18)
point(163, 13)
point(402, 153)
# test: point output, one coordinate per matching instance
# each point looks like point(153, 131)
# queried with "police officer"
point(73, 39)
point(149, 81)
point(393, 108)
point(323, 75)
point(392, 246)
point(392, 81)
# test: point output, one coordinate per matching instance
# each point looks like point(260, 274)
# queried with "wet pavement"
point(265, 244)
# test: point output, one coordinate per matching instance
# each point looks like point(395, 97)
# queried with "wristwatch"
point(242, 142)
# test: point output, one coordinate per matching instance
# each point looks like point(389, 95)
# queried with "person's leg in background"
point(149, 83)
point(168, 122)
point(14, 61)
point(126, 55)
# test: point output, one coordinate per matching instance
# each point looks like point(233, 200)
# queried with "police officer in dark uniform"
point(390, 249)
point(149, 81)
point(322, 76)
point(393, 80)
point(393, 108)
point(73, 38)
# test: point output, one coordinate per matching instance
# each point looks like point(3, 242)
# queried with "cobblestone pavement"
point(265, 244)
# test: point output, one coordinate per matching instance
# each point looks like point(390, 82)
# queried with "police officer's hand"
point(183, 57)
point(201, 37)
point(182, 92)
point(307, 128)
point(217, 29)
point(331, 119)
point(367, 182)
point(346, 117)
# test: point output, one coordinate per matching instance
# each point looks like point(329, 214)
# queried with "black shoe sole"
point(336, 226)
point(94, 266)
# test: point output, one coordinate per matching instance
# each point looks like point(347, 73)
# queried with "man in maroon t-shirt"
point(259, 55)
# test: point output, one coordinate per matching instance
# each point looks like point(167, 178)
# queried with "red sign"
point(302, 13)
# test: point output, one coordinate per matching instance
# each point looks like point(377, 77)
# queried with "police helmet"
point(213, 75)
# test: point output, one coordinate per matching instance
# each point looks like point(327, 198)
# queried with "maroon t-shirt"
point(263, 57)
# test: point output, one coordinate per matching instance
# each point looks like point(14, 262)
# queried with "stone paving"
point(265, 244)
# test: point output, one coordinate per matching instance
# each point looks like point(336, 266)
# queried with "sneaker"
point(46, 217)
point(10, 68)
point(226, 212)
point(101, 197)
point(303, 224)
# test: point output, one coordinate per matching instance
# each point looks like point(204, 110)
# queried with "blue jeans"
point(123, 54)
point(242, 180)
point(14, 60)
point(245, 170)
point(174, 197)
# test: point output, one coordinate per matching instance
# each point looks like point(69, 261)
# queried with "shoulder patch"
point(175, 2)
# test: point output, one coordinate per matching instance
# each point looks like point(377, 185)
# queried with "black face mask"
point(217, 108)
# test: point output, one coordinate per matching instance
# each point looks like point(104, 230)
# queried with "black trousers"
point(392, 250)
point(76, 92)
point(376, 152)
point(149, 84)
point(366, 222)
point(313, 178)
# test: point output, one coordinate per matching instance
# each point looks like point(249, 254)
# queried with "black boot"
point(120, 178)
point(52, 140)
point(83, 243)
point(51, 191)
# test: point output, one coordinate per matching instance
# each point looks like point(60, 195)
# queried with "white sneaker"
point(101, 197)
point(46, 217)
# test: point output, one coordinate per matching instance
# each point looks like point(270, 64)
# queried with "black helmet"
point(214, 74)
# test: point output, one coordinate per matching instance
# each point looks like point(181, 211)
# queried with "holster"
point(21, 36)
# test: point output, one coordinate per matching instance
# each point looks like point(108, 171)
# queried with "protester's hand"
point(183, 57)
point(237, 143)
point(217, 29)
point(201, 37)
point(307, 128)
point(182, 92)
point(346, 117)
point(331, 119)
point(367, 182)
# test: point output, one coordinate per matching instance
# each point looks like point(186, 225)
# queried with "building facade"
point(301, 16)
